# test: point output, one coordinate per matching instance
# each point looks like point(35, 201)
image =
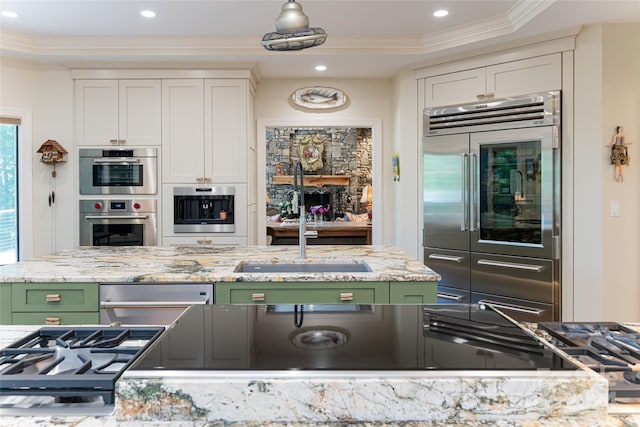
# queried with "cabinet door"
point(49, 297)
point(56, 318)
point(5, 303)
point(96, 112)
point(139, 112)
point(225, 110)
point(413, 292)
point(454, 88)
point(526, 76)
point(302, 293)
point(182, 130)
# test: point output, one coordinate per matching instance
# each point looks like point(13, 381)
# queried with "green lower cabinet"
point(56, 318)
point(54, 303)
point(413, 292)
point(302, 293)
point(5, 303)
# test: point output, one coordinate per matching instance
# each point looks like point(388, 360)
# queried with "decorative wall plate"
point(319, 97)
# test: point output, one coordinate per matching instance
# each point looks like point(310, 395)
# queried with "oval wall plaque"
point(319, 97)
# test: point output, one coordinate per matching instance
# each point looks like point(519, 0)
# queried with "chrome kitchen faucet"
point(298, 205)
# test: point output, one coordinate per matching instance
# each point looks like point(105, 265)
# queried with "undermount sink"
point(346, 267)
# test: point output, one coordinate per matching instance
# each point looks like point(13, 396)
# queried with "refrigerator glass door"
point(512, 209)
point(446, 191)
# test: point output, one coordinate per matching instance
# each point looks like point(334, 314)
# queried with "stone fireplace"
point(345, 167)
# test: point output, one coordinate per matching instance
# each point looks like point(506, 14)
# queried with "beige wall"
point(607, 249)
point(47, 91)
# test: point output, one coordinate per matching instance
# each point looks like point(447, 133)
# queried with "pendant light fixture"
point(292, 30)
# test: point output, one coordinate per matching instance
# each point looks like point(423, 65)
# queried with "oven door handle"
point(150, 304)
point(121, 161)
point(116, 217)
point(534, 311)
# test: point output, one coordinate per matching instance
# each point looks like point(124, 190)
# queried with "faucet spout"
point(298, 204)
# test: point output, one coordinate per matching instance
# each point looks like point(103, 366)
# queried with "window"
point(9, 190)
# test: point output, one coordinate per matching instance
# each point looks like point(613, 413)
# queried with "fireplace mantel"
point(313, 180)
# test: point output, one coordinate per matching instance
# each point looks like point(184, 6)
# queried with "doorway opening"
point(9, 249)
point(339, 161)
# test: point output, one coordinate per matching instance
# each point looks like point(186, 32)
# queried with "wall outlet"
point(614, 208)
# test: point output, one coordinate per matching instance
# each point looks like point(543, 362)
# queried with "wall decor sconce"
point(52, 154)
point(619, 154)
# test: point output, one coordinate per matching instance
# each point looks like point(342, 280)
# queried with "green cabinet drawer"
point(5, 303)
point(302, 293)
point(413, 292)
point(56, 318)
point(32, 297)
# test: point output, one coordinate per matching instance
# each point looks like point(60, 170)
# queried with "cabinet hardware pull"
point(535, 311)
point(346, 296)
point(535, 268)
point(257, 297)
point(52, 320)
point(489, 95)
point(207, 241)
point(464, 197)
point(474, 223)
point(200, 241)
point(457, 259)
point(452, 297)
point(120, 161)
point(116, 217)
point(54, 298)
point(200, 179)
point(113, 141)
point(481, 96)
point(207, 179)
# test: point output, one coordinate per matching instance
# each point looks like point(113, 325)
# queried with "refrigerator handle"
point(472, 191)
point(464, 197)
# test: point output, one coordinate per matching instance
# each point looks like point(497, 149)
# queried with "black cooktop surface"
point(347, 337)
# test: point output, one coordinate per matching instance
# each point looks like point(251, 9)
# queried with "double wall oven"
point(127, 182)
point(492, 203)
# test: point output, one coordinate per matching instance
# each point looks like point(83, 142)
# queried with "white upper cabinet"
point(204, 130)
point(496, 81)
point(118, 112)
point(183, 130)
point(225, 130)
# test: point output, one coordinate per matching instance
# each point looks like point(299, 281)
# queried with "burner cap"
point(632, 377)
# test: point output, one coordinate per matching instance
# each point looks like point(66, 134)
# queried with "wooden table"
point(329, 233)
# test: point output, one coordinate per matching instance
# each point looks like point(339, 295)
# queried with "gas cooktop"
point(611, 349)
point(58, 366)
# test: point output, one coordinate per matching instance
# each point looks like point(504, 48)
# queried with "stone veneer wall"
point(346, 151)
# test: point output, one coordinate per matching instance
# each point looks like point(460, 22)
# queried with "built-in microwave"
point(204, 209)
point(118, 171)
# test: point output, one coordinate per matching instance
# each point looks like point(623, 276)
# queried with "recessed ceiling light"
point(321, 67)
point(148, 13)
point(9, 14)
point(440, 13)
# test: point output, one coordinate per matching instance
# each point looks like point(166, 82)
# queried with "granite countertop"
point(454, 399)
point(212, 264)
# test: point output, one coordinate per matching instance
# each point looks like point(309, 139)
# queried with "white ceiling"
point(366, 38)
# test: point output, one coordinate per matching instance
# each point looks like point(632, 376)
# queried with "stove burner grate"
point(611, 349)
point(72, 364)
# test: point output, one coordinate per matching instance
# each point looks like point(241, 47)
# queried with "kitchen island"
point(278, 398)
point(65, 284)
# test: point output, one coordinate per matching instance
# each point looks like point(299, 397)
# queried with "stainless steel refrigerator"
point(492, 203)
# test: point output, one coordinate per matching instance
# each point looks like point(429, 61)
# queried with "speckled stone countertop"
point(453, 399)
point(212, 264)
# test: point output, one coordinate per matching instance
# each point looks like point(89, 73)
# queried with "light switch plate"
point(614, 208)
